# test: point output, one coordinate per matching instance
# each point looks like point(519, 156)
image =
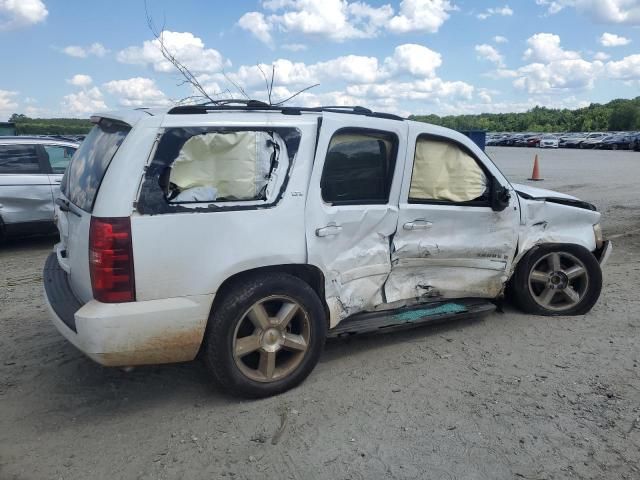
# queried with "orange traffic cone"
point(535, 175)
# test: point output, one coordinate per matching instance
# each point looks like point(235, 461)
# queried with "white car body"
point(549, 142)
point(371, 256)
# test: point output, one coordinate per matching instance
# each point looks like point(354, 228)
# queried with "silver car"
point(31, 169)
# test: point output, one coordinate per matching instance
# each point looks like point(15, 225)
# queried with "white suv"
point(250, 233)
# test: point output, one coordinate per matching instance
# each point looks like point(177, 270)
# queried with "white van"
point(249, 233)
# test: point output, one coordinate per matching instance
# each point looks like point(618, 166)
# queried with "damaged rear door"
point(352, 208)
point(450, 243)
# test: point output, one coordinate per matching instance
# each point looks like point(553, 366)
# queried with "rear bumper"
point(126, 334)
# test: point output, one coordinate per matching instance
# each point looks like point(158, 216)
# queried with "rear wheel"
point(558, 280)
point(265, 336)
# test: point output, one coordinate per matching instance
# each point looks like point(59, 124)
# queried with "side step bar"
point(388, 320)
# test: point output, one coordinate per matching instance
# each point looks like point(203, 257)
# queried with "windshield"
point(89, 164)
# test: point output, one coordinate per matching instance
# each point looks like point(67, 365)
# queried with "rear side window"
point(19, 159)
point(89, 164)
point(359, 167)
point(59, 157)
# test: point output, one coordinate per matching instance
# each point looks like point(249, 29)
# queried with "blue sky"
point(74, 57)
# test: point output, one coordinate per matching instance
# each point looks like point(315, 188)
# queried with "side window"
point(359, 167)
point(444, 172)
point(226, 166)
point(19, 159)
point(59, 157)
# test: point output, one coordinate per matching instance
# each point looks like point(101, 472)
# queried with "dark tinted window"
point(59, 157)
point(358, 168)
point(88, 166)
point(19, 159)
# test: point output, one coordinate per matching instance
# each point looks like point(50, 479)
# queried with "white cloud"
point(21, 13)
point(411, 59)
point(341, 20)
point(490, 53)
point(95, 49)
point(415, 59)
point(7, 102)
point(553, 69)
point(337, 20)
point(602, 56)
point(626, 69)
point(184, 46)
point(601, 11)
point(545, 47)
point(558, 76)
point(294, 47)
point(613, 40)
point(426, 16)
point(84, 102)
point(505, 11)
point(500, 39)
point(80, 80)
point(256, 24)
point(136, 92)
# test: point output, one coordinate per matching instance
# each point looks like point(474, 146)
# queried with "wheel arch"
point(310, 274)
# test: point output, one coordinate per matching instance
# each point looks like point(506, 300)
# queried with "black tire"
point(230, 311)
point(520, 286)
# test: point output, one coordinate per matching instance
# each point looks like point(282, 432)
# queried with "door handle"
point(328, 231)
point(419, 224)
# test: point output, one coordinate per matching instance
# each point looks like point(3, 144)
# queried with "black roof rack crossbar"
point(255, 105)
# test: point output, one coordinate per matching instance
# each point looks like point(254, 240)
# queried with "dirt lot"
point(509, 396)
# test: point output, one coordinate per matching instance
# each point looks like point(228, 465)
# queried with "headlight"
point(597, 231)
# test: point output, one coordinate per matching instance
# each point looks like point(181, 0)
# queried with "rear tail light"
point(111, 260)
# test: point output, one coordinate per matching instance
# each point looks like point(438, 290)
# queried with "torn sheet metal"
point(443, 171)
point(545, 221)
point(357, 262)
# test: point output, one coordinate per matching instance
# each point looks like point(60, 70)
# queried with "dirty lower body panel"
point(434, 312)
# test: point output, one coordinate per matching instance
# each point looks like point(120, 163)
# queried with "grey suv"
point(31, 170)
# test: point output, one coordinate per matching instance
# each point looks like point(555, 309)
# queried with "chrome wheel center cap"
point(271, 339)
point(558, 280)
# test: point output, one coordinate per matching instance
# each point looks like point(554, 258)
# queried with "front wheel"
point(558, 280)
point(265, 336)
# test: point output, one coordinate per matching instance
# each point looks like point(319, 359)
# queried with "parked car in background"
point(619, 141)
point(593, 140)
point(573, 141)
point(248, 235)
point(549, 141)
point(636, 141)
point(31, 169)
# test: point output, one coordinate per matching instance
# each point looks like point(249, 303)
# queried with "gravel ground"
point(508, 396)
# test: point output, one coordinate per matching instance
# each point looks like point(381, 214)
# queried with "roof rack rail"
point(256, 105)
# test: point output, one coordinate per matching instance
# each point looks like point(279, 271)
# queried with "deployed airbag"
point(443, 171)
point(236, 165)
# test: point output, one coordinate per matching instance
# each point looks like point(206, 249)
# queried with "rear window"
point(89, 164)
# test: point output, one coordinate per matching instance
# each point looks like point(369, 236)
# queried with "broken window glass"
point(213, 168)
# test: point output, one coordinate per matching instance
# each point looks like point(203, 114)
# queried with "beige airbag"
point(235, 164)
point(443, 171)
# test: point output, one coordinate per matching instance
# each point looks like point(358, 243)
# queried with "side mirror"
point(500, 196)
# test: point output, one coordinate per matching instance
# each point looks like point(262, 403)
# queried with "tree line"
point(617, 115)
point(50, 126)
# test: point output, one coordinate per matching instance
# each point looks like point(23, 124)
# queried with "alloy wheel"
point(558, 281)
point(271, 339)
